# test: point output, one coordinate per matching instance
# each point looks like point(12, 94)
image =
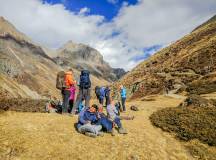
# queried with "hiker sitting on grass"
point(112, 114)
point(88, 122)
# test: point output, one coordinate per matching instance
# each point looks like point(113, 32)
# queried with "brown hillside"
point(191, 58)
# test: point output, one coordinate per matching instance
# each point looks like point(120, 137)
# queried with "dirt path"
point(49, 136)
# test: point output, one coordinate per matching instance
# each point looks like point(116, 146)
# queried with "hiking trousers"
point(101, 100)
point(95, 129)
point(123, 99)
point(117, 121)
point(66, 97)
point(84, 94)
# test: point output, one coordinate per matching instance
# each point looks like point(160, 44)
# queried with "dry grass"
point(195, 118)
point(51, 136)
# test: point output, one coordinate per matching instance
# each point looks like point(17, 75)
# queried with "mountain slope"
point(25, 69)
point(181, 64)
point(82, 56)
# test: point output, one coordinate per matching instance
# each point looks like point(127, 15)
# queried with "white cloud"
point(84, 10)
point(146, 24)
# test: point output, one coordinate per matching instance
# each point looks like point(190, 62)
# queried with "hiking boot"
point(113, 132)
point(122, 131)
point(101, 134)
point(90, 134)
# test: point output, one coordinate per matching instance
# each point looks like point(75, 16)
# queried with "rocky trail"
point(52, 136)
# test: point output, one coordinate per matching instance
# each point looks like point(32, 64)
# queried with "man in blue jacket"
point(123, 94)
point(88, 122)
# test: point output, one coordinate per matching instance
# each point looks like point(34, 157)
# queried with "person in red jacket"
point(69, 82)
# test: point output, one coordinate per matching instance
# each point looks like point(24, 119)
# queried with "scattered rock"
point(134, 108)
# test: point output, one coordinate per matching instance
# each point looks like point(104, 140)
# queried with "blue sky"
point(108, 8)
point(124, 32)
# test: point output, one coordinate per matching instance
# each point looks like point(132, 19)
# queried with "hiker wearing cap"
point(88, 122)
point(68, 82)
point(123, 94)
point(112, 114)
point(84, 90)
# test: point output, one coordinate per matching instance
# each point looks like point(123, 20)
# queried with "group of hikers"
point(92, 121)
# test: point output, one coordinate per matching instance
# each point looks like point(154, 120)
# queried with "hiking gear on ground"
point(50, 108)
point(134, 108)
point(123, 93)
point(85, 82)
point(122, 131)
point(69, 80)
point(60, 80)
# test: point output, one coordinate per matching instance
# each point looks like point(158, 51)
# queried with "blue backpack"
point(85, 82)
point(102, 92)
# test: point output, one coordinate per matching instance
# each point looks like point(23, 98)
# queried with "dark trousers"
point(101, 101)
point(71, 104)
point(123, 99)
point(65, 105)
point(108, 100)
point(84, 94)
point(118, 122)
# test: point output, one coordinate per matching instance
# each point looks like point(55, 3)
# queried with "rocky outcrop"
point(80, 56)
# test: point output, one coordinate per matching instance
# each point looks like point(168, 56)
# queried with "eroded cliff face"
point(187, 62)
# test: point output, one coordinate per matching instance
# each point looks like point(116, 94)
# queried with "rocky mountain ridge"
point(81, 56)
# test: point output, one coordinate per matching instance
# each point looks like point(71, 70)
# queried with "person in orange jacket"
point(69, 82)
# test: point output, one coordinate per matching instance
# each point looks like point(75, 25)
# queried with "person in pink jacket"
point(72, 97)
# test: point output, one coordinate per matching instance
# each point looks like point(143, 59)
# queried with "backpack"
point(60, 80)
point(107, 92)
point(97, 91)
point(102, 92)
point(85, 82)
